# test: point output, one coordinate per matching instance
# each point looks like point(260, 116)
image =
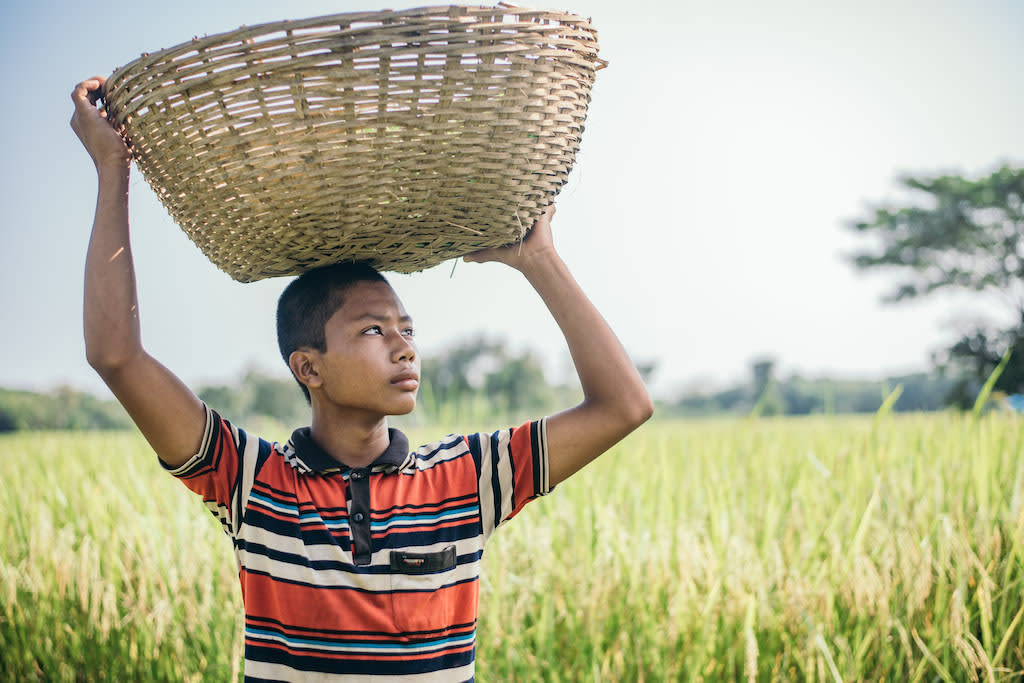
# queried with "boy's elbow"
point(107, 362)
point(102, 358)
point(636, 409)
point(97, 359)
point(643, 410)
point(104, 366)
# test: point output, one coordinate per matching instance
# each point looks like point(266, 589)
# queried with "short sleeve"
point(513, 470)
point(221, 471)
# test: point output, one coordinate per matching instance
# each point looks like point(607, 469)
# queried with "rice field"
point(813, 549)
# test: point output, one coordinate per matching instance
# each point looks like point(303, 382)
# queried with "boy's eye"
point(373, 330)
point(409, 332)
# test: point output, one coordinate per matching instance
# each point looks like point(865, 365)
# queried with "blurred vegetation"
point(60, 409)
point(957, 233)
point(797, 395)
point(498, 385)
point(487, 379)
point(482, 381)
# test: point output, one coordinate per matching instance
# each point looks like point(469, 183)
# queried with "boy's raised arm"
point(615, 400)
point(167, 413)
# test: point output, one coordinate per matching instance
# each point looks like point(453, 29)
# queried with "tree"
point(768, 400)
point(258, 395)
point(8, 423)
point(458, 372)
point(519, 383)
point(959, 234)
point(480, 371)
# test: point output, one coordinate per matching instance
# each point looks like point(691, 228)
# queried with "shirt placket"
point(359, 515)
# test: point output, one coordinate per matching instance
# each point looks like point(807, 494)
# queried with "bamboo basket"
point(403, 138)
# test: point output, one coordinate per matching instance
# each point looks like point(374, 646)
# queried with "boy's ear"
point(303, 364)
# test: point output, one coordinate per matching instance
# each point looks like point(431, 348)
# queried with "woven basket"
point(402, 138)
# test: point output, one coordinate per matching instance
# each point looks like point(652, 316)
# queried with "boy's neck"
point(355, 441)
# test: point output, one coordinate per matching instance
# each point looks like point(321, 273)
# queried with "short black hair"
point(309, 301)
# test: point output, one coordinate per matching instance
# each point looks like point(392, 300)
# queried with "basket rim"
point(245, 31)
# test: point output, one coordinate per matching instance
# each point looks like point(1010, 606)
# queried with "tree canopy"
point(965, 234)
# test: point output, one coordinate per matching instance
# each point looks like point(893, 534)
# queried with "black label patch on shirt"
point(404, 562)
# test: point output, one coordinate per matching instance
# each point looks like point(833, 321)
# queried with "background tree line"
point(62, 408)
point(482, 381)
point(765, 395)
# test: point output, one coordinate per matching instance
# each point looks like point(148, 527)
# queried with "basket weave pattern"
point(403, 138)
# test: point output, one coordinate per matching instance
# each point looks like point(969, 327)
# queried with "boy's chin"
point(405, 410)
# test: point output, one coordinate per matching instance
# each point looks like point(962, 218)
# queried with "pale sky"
point(727, 144)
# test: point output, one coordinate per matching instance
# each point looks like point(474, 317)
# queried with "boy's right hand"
point(104, 144)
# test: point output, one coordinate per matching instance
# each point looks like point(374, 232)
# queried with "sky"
point(727, 145)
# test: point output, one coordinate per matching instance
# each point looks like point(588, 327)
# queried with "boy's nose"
point(404, 350)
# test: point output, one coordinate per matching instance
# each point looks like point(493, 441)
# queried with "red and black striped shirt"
point(350, 573)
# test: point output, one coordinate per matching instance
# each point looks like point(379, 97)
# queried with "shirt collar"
point(303, 453)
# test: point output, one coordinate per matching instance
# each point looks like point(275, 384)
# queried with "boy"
point(357, 558)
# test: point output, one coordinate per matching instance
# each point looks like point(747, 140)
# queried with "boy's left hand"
point(537, 244)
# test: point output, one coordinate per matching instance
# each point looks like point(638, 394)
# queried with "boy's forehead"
point(370, 299)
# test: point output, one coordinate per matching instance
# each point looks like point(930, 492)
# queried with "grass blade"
point(986, 389)
point(889, 402)
point(1001, 650)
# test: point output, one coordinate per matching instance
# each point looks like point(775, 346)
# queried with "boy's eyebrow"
point(383, 318)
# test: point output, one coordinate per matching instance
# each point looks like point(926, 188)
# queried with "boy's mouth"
point(406, 380)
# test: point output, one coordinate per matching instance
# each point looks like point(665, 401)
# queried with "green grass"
point(817, 549)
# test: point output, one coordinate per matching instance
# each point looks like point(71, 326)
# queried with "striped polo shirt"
point(355, 573)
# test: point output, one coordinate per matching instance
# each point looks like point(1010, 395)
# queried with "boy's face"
point(371, 363)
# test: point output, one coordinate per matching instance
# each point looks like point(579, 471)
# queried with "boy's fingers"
point(548, 214)
point(88, 90)
point(545, 217)
point(81, 91)
point(483, 256)
point(475, 257)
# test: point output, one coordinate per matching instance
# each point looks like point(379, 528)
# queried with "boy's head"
point(310, 300)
